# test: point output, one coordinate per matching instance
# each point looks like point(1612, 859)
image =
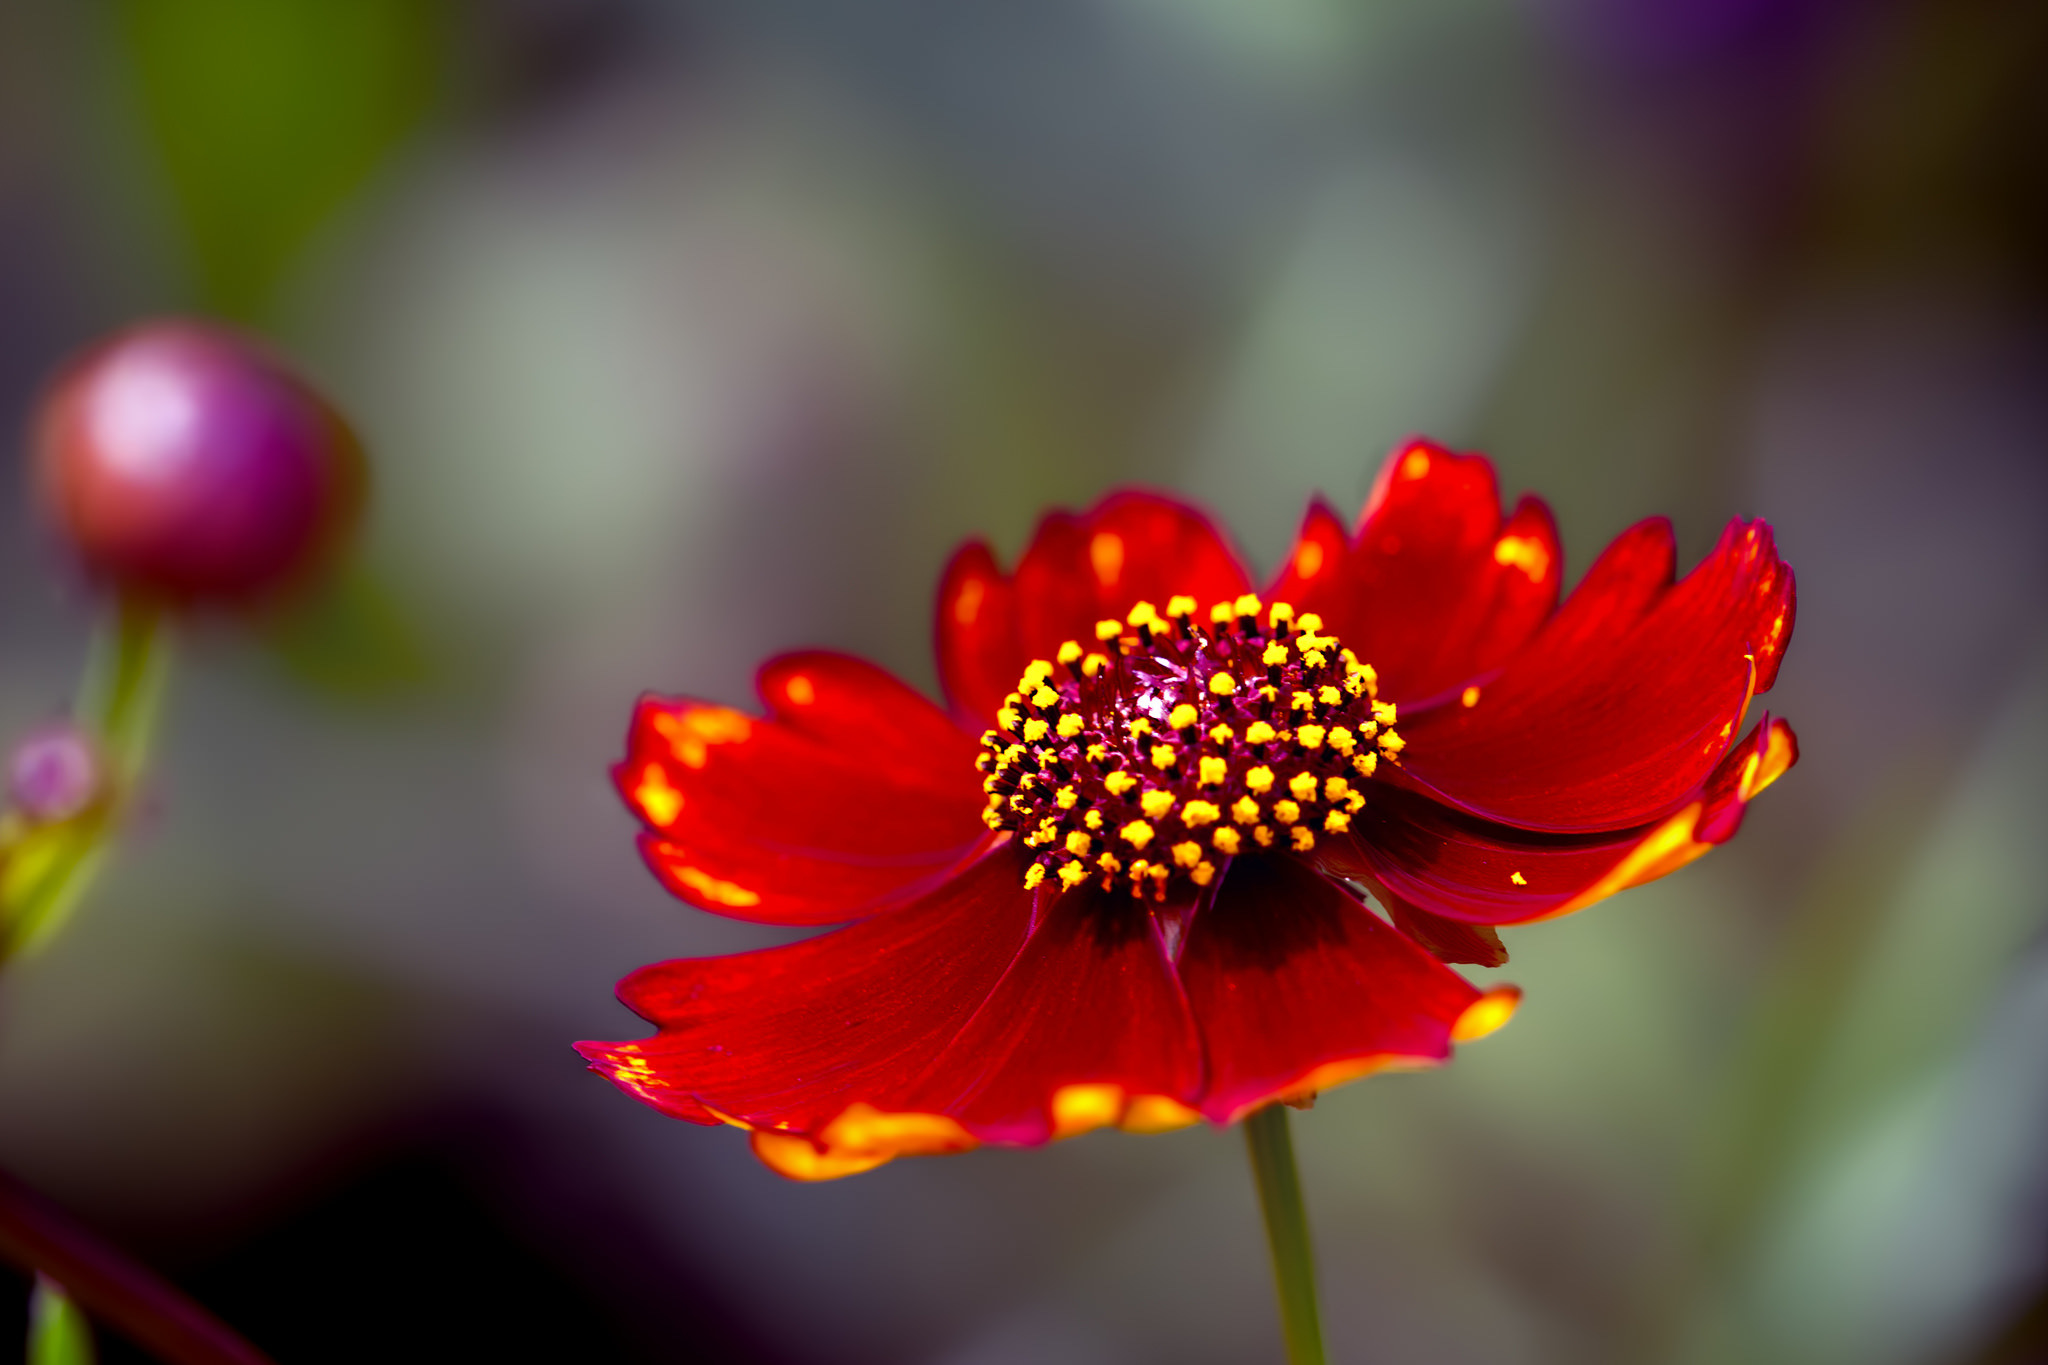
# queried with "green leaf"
point(268, 115)
point(58, 1333)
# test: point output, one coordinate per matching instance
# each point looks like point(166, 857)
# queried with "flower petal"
point(1446, 863)
point(1435, 589)
point(1088, 1028)
point(852, 794)
point(1447, 940)
point(1616, 712)
point(1297, 987)
point(1079, 569)
point(834, 1030)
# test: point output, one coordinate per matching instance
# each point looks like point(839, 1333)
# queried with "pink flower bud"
point(54, 773)
point(183, 462)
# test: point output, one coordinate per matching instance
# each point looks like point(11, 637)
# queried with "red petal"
point(1089, 1019)
point(1448, 940)
point(1435, 589)
point(854, 793)
point(1079, 569)
point(787, 1039)
point(1449, 864)
point(1297, 987)
point(976, 635)
point(1618, 710)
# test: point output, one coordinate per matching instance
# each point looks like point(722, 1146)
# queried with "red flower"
point(1118, 883)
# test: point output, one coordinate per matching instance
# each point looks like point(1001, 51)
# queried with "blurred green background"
point(683, 333)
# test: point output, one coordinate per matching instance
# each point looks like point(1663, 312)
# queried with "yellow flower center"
point(1172, 745)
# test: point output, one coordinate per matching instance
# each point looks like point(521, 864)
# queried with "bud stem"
point(1294, 1260)
point(43, 874)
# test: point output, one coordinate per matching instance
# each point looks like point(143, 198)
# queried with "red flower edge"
point(1162, 965)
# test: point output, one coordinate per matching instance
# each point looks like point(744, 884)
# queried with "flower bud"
point(183, 462)
point(53, 774)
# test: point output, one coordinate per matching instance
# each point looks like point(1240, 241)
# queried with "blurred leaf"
point(351, 638)
point(269, 114)
point(57, 1332)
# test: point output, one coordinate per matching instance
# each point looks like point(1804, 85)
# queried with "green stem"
point(57, 1331)
point(45, 870)
point(1294, 1260)
point(123, 688)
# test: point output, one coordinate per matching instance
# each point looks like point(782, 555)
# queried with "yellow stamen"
point(1227, 841)
point(1187, 854)
point(1203, 873)
point(1072, 875)
point(1336, 822)
point(1069, 652)
point(1069, 726)
point(1195, 814)
point(1258, 732)
point(1156, 803)
point(1311, 736)
point(1183, 716)
point(1303, 839)
point(1264, 835)
point(1119, 782)
point(1222, 734)
point(1222, 684)
point(1137, 834)
point(1286, 812)
point(1164, 756)
point(1245, 811)
point(1214, 772)
point(1033, 875)
point(1078, 843)
point(1259, 779)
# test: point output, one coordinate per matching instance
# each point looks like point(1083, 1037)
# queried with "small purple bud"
point(54, 773)
point(184, 462)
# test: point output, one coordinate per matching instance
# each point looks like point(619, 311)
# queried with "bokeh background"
point(687, 332)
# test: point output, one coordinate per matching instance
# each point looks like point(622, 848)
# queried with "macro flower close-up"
point(1120, 876)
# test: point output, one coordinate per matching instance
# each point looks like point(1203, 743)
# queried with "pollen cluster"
point(1170, 745)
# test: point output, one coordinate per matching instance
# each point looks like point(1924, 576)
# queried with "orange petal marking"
point(690, 734)
point(860, 1139)
point(967, 606)
point(1526, 553)
point(1415, 465)
point(715, 889)
point(1106, 557)
point(1308, 560)
point(1081, 1108)
point(1486, 1014)
point(657, 797)
point(1156, 1114)
point(800, 690)
point(793, 1156)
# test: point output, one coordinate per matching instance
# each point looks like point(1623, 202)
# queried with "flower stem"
point(1294, 1260)
point(45, 871)
point(131, 1299)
